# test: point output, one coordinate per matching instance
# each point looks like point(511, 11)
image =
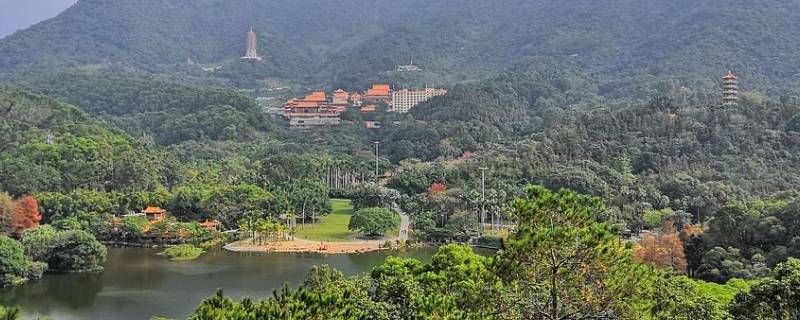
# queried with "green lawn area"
point(332, 227)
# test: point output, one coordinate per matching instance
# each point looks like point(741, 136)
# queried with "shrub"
point(134, 226)
point(76, 250)
point(37, 242)
point(13, 264)
point(183, 252)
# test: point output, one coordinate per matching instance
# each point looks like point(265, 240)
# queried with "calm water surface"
point(138, 284)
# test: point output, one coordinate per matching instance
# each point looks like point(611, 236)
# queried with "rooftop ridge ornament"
point(252, 45)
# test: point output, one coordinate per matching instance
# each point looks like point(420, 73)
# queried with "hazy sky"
point(20, 14)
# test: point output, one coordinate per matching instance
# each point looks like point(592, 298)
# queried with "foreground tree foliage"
point(10, 313)
point(563, 262)
point(457, 284)
point(776, 297)
point(566, 262)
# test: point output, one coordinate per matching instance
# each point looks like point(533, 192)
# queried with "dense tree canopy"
point(374, 221)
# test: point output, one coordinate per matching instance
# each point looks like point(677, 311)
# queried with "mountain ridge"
point(352, 42)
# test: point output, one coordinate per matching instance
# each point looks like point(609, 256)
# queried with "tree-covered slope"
point(691, 154)
point(46, 145)
point(166, 112)
point(349, 42)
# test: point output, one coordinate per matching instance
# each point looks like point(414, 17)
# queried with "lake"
point(138, 284)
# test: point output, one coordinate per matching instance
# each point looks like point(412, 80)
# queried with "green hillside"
point(46, 145)
point(165, 112)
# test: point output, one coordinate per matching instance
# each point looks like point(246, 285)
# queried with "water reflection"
point(137, 283)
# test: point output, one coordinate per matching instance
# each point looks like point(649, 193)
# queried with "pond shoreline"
point(308, 246)
point(137, 283)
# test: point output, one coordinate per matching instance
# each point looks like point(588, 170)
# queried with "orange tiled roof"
point(209, 223)
point(317, 96)
point(154, 210)
point(730, 76)
point(379, 90)
point(307, 104)
point(369, 108)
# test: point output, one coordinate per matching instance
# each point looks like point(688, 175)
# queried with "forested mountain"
point(351, 42)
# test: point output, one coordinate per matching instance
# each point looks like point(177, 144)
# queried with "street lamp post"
point(376, 160)
point(483, 198)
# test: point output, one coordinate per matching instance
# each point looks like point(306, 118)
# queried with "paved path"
point(302, 245)
point(404, 223)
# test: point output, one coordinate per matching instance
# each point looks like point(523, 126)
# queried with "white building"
point(404, 100)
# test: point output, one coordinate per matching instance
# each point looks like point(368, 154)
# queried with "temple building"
point(155, 214)
point(730, 90)
point(211, 225)
point(369, 108)
point(341, 100)
point(312, 111)
point(404, 100)
point(379, 93)
point(356, 99)
point(252, 47)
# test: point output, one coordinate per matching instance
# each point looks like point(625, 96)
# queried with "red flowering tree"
point(438, 188)
point(26, 214)
point(663, 249)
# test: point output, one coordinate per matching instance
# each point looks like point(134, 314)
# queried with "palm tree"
point(247, 226)
point(265, 229)
point(282, 230)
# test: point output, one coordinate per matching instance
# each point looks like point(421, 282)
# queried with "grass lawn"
point(332, 227)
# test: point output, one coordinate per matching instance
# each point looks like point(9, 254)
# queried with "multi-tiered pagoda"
point(252, 52)
point(730, 90)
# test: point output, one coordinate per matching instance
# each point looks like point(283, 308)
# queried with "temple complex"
point(317, 109)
